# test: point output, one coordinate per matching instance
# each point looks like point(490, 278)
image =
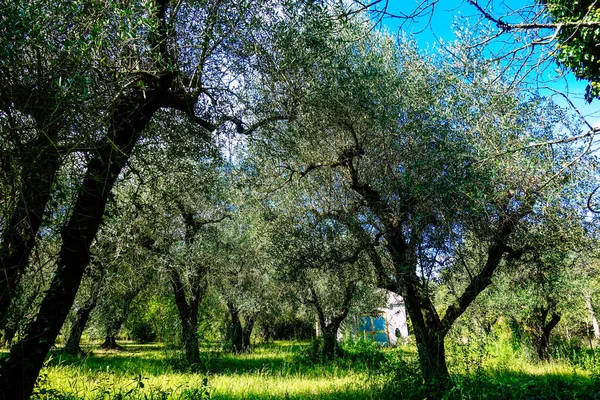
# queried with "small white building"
point(386, 326)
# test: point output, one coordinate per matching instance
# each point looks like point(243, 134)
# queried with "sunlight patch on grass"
point(270, 372)
point(265, 383)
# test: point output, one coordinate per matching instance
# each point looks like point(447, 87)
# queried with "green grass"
point(269, 372)
point(280, 371)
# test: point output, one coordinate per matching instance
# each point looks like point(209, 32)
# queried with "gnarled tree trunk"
point(82, 316)
point(110, 338)
point(237, 332)
point(20, 370)
point(188, 314)
point(235, 329)
point(116, 321)
point(544, 329)
point(331, 324)
point(247, 331)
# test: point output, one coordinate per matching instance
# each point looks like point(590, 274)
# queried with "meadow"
point(287, 370)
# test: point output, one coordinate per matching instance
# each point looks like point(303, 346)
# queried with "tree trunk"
point(543, 340)
point(110, 342)
point(429, 337)
point(73, 345)
point(112, 330)
point(190, 338)
point(113, 324)
point(432, 359)
point(247, 332)
point(188, 314)
point(10, 330)
point(82, 316)
point(20, 370)
point(330, 325)
point(590, 307)
point(330, 344)
point(20, 232)
point(236, 330)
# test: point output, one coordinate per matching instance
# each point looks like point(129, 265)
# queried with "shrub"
point(143, 332)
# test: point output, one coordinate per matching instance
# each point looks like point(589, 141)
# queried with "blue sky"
point(437, 26)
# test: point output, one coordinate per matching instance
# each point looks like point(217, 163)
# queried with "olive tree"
point(424, 150)
point(187, 56)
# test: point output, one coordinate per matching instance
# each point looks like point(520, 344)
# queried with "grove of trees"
point(242, 169)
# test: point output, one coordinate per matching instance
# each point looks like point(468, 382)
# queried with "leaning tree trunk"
point(20, 370)
point(113, 324)
point(73, 345)
point(21, 229)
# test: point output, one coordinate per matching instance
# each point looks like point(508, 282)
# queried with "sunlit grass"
point(269, 372)
point(276, 371)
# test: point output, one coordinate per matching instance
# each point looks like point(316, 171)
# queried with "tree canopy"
point(246, 165)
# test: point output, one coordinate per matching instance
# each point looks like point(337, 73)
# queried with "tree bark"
point(430, 330)
point(235, 329)
point(590, 307)
point(73, 345)
point(247, 332)
point(20, 370)
point(188, 314)
point(543, 340)
point(19, 234)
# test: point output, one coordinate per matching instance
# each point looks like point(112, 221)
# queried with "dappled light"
point(281, 199)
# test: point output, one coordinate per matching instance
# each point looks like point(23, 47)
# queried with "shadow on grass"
point(123, 362)
point(158, 360)
point(268, 360)
point(338, 395)
point(513, 385)
point(230, 364)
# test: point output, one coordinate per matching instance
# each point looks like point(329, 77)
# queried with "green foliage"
point(577, 48)
point(143, 333)
point(369, 353)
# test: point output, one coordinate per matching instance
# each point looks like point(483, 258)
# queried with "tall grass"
point(274, 371)
point(480, 369)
